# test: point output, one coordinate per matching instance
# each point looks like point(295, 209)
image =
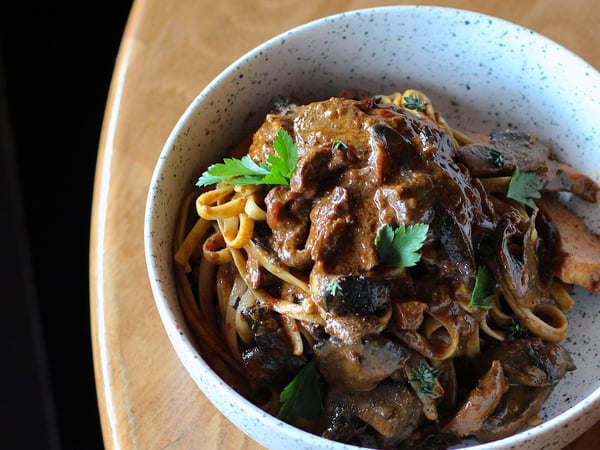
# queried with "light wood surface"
point(170, 50)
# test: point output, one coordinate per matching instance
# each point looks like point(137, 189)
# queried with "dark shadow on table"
point(56, 65)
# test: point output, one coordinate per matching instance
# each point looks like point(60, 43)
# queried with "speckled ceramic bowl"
point(479, 71)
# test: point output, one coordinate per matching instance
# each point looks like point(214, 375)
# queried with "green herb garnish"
point(497, 157)
point(338, 144)
point(280, 103)
point(564, 180)
point(400, 246)
point(524, 187)
point(426, 376)
point(483, 291)
point(415, 103)
point(333, 287)
point(516, 330)
point(302, 397)
point(277, 169)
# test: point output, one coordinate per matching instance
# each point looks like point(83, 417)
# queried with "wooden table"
point(169, 52)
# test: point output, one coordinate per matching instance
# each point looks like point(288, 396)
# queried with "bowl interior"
point(480, 73)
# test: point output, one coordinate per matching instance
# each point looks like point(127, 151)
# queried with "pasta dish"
point(366, 272)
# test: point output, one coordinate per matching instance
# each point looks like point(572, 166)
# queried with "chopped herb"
point(338, 144)
point(497, 157)
point(377, 99)
point(400, 246)
point(280, 103)
point(565, 181)
point(524, 187)
point(415, 103)
point(483, 291)
point(516, 330)
point(277, 169)
point(334, 288)
point(302, 397)
point(426, 376)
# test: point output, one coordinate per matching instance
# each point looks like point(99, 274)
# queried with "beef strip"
point(530, 155)
point(355, 160)
point(361, 166)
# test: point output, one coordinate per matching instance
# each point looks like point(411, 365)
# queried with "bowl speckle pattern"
point(480, 73)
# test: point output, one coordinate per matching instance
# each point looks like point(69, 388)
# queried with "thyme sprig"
point(426, 376)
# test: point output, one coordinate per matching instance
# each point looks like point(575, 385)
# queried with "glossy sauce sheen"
point(385, 172)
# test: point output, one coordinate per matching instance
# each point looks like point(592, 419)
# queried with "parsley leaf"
point(426, 376)
point(400, 247)
point(483, 291)
point(524, 187)
point(244, 170)
point(277, 169)
point(302, 397)
point(415, 103)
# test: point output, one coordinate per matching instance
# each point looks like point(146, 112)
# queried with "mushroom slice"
point(480, 403)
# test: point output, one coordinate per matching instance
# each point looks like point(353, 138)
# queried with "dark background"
point(56, 64)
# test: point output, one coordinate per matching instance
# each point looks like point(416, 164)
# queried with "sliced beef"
point(577, 254)
point(507, 150)
point(287, 217)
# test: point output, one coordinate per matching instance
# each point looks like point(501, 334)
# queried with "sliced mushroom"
point(533, 362)
point(518, 407)
point(271, 360)
point(391, 410)
point(479, 404)
point(362, 365)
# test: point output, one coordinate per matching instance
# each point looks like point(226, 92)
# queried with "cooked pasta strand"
point(276, 269)
point(243, 233)
point(222, 211)
point(191, 243)
point(562, 297)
